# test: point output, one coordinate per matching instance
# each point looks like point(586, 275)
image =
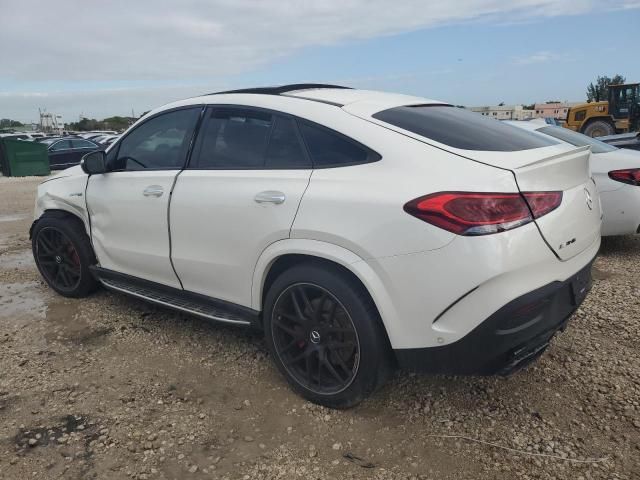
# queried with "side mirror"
point(94, 163)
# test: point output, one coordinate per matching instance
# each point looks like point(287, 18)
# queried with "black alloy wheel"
point(315, 338)
point(58, 259)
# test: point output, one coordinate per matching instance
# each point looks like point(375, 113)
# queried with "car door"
point(59, 153)
point(128, 205)
point(240, 193)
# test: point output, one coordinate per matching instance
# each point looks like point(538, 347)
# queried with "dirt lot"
point(110, 387)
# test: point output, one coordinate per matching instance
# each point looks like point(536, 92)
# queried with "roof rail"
point(280, 89)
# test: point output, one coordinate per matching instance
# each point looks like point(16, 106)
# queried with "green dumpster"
point(19, 158)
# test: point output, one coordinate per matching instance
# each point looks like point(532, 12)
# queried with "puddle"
point(25, 303)
point(20, 260)
point(18, 299)
point(65, 325)
point(13, 218)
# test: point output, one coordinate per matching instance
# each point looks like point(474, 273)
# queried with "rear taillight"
point(630, 176)
point(467, 213)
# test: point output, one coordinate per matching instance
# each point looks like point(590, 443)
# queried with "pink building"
point(553, 110)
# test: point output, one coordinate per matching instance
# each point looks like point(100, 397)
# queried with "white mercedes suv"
point(359, 230)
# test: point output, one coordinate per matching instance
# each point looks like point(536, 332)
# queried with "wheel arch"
point(59, 213)
point(285, 253)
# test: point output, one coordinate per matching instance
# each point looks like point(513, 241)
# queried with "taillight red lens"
point(468, 213)
point(542, 203)
point(630, 176)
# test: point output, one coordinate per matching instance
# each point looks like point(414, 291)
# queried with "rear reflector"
point(470, 213)
point(630, 176)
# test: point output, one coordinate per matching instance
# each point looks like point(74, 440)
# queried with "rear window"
point(460, 128)
point(577, 139)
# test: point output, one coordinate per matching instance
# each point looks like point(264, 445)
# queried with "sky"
point(97, 59)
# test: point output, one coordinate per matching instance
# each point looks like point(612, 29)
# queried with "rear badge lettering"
point(566, 244)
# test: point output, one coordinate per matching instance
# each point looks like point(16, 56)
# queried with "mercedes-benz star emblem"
point(589, 199)
point(314, 336)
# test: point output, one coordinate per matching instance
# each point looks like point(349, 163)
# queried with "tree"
point(117, 123)
point(8, 123)
point(600, 90)
point(111, 123)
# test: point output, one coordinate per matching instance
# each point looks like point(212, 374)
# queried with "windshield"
point(577, 139)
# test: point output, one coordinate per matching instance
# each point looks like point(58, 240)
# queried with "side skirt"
point(176, 299)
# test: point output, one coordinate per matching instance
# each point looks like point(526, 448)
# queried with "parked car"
point(110, 139)
point(67, 151)
point(92, 135)
point(623, 140)
point(25, 135)
point(359, 230)
point(98, 139)
point(14, 136)
point(616, 173)
point(105, 140)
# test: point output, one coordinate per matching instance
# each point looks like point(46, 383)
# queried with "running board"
point(192, 303)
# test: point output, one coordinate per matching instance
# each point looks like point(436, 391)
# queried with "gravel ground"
point(110, 387)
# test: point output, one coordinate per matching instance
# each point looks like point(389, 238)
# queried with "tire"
point(63, 254)
point(599, 128)
point(332, 304)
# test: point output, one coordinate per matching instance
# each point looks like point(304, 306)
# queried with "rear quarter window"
point(460, 128)
point(332, 149)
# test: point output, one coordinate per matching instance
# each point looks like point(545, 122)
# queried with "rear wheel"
point(325, 335)
point(599, 128)
point(63, 254)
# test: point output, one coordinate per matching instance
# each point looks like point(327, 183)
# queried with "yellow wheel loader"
point(620, 114)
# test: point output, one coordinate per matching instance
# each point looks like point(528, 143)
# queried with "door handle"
point(153, 191)
point(270, 196)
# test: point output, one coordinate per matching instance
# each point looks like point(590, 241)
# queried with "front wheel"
point(63, 254)
point(325, 335)
point(599, 128)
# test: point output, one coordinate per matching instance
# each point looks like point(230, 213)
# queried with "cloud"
point(162, 39)
point(179, 45)
point(539, 57)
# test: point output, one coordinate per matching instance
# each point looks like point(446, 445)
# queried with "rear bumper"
point(509, 339)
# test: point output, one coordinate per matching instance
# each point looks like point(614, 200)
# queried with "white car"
point(616, 172)
point(359, 230)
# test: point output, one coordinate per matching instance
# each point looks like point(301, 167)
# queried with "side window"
point(233, 139)
point(285, 149)
point(331, 149)
point(82, 144)
point(61, 145)
point(159, 143)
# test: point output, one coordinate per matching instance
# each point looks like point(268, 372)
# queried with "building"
point(556, 110)
point(51, 123)
point(505, 112)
